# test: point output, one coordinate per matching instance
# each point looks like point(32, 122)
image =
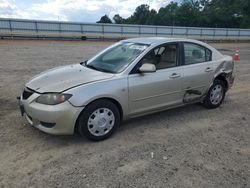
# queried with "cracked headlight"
point(52, 98)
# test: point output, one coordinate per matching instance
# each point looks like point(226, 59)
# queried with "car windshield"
point(117, 57)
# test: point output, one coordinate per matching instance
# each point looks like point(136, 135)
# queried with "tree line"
point(190, 13)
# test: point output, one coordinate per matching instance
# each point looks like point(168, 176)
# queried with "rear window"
point(196, 54)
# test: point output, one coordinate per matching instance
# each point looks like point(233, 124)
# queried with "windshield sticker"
point(138, 47)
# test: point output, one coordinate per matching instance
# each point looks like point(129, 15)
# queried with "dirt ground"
point(184, 147)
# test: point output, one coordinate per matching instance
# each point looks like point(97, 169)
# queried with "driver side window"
point(162, 57)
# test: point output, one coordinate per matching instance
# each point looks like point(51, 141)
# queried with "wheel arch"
point(118, 105)
point(223, 77)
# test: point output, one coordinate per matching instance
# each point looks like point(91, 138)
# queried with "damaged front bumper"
point(53, 119)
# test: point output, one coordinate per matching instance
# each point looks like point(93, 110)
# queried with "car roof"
point(157, 40)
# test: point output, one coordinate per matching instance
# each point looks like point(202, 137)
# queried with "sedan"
point(131, 78)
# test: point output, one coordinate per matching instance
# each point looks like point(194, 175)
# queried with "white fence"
point(35, 28)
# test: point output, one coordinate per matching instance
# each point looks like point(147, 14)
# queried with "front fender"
point(116, 89)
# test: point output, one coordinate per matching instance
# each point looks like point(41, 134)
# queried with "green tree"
point(104, 19)
point(188, 13)
point(142, 15)
point(245, 4)
point(224, 13)
point(167, 15)
point(118, 19)
point(196, 13)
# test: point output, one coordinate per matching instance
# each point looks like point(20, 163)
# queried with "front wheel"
point(99, 120)
point(215, 95)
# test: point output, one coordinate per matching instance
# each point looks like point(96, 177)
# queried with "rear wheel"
point(215, 95)
point(99, 120)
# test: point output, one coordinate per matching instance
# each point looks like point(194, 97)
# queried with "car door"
point(198, 69)
point(152, 91)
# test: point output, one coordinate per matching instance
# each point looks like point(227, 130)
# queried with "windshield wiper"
point(92, 67)
point(89, 66)
point(96, 68)
point(84, 62)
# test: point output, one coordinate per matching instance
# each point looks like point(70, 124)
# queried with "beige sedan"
point(131, 78)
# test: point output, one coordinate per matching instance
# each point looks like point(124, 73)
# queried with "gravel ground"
point(184, 147)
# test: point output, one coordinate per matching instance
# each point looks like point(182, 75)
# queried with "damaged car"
point(131, 78)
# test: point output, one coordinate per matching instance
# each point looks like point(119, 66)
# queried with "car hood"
point(65, 77)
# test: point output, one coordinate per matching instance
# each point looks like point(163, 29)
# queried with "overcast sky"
point(72, 10)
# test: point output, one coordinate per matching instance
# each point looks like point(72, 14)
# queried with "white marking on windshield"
point(137, 47)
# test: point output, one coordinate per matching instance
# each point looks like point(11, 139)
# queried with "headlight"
point(52, 98)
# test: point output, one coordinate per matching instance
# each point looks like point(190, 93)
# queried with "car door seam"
point(153, 96)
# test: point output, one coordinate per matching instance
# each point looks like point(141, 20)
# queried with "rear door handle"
point(175, 75)
point(208, 69)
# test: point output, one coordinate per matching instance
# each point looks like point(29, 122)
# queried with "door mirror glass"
point(147, 68)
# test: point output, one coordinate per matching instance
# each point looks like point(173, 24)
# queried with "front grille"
point(27, 93)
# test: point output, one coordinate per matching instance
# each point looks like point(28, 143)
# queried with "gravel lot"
point(191, 146)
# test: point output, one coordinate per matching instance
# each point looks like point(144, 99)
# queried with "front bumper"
point(53, 119)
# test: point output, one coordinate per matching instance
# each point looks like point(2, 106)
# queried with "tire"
point(215, 95)
point(99, 120)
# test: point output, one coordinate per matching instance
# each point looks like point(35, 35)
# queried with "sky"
point(72, 10)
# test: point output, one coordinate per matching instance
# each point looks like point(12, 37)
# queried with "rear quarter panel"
point(224, 65)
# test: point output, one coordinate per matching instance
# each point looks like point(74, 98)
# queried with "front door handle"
point(175, 75)
point(208, 69)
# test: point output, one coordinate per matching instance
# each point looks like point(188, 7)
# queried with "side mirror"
point(147, 68)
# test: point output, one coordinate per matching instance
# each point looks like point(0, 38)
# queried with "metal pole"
point(60, 27)
point(10, 29)
point(238, 34)
point(36, 28)
point(81, 29)
point(121, 31)
point(102, 32)
point(214, 33)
